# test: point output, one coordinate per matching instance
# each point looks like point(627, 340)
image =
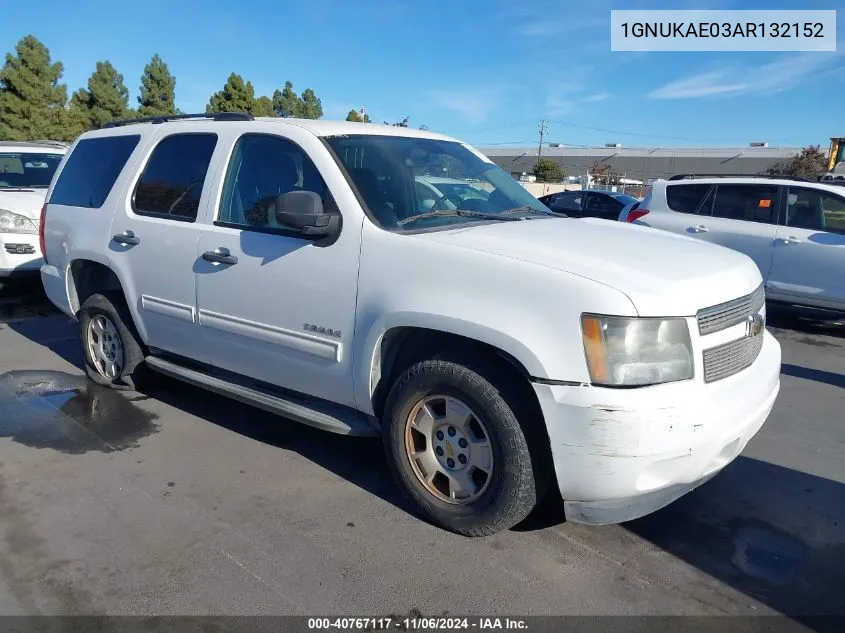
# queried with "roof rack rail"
point(770, 176)
point(215, 116)
point(39, 143)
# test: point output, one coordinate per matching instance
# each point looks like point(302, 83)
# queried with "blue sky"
point(486, 71)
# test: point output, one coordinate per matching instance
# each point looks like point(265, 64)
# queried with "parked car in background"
point(497, 348)
point(26, 169)
point(588, 203)
point(793, 229)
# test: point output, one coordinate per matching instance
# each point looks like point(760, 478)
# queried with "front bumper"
point(622, 453)
point(20, 255)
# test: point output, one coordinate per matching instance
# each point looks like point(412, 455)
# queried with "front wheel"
point(457, 449)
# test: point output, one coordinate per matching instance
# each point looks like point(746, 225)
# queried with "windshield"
point(399, 178)
point(27, 170)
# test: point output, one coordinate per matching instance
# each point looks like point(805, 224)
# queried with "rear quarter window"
point(685, 198)
point(92, 169)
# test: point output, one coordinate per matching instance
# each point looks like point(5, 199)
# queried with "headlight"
point(14, 223)
point(627, 352)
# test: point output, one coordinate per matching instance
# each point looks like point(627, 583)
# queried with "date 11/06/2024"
point(415, 624)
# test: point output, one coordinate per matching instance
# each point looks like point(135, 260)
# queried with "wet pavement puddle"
point(70, 414)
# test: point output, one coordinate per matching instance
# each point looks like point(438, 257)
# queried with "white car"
point(447, 193)
point(495, 347)
point(793, 229)
point(26, 169)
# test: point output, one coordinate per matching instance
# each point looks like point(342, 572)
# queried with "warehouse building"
point(643, 163)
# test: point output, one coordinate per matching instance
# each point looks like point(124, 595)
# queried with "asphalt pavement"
point(177, 501)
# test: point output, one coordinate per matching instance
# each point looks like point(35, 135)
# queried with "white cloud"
point(601, 96)
point(778, 76)
point(474, 105)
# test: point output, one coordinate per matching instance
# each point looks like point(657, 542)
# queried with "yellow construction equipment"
point(835, 161)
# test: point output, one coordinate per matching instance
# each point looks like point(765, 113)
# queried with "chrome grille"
point(724, 315)
point(731, 358)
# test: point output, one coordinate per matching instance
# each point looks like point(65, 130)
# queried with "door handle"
point(127, 238)
point(789, 240)
point(220, 256)
point(698, 229)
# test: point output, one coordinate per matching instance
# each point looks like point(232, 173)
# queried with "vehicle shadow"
point(774, 533)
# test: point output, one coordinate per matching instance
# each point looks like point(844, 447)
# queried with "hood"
point(27, 203)
point(662, 273)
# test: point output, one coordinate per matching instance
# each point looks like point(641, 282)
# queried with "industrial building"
point(643, 164)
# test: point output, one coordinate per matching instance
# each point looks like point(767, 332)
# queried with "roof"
point(318, 127)
point(750, 180)
point(322, 127)
point(31, 146)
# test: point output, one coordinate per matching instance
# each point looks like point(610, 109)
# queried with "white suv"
point(793, 229)
point(495, 347)
point(26, 169)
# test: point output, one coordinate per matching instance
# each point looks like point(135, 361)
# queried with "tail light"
point(42, 242)
point(636, 214)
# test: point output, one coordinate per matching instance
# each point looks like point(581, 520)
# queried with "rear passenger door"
point(742, 217)
point(809, 253)
point(153, 242)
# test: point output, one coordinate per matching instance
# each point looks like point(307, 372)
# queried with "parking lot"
point(177, 501)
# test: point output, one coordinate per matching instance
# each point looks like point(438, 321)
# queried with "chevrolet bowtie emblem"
point(754, 324)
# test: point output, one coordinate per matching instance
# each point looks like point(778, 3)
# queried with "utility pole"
point(543, 131)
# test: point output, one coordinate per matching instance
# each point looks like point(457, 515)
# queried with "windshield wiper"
point(458, 212)
point(3, 188)
point(524, 208)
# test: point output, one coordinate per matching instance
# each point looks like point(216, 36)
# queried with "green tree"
point(263, 107)
point(548, 170)
point(809, 163)
point(356, 117)
point(236, 96)
point(287, 103)
point(311, 107)
point(158, 90)
point(106, 98)
point(32, 101)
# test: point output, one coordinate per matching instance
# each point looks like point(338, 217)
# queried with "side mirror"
point(303, 212)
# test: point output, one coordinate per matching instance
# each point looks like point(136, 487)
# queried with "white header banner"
point(723, 30)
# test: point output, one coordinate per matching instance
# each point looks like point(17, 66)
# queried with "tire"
point(130, 372)
point(498, 499)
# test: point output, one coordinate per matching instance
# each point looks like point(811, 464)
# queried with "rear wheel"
point(457, 449)
point(112, 351)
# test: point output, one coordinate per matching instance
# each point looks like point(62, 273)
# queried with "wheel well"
point(403, 346)
point(89, 277)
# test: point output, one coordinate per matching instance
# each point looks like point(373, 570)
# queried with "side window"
point(91, 171)
point(598, 203)
point(686, 198)
point(816, 210)
point(262, 168)
point(752, 203)
point(172, 181)
point(567, 202)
